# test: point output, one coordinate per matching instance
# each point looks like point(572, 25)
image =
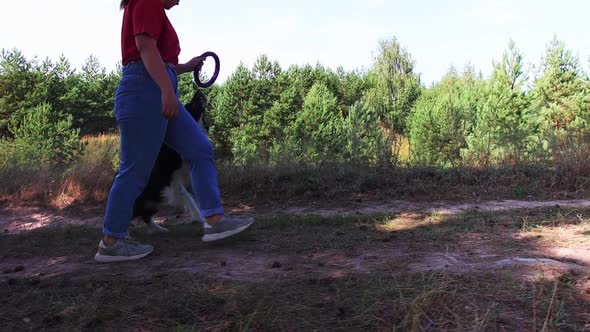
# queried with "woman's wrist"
point(181, 68)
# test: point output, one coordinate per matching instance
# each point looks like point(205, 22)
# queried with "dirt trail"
point(235, 264)
point(19, 219)
point(245, 263)
point(433, 207)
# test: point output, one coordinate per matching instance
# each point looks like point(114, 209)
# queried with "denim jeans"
point(143, 129)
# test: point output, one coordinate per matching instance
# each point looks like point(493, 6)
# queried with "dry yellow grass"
point(89, 179)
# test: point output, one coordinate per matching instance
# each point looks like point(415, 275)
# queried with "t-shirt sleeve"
point(148, 18)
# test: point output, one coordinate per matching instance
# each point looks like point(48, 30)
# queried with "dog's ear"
point(198, 102)
point(201, 99)
point(197, 105)
point(201, 103)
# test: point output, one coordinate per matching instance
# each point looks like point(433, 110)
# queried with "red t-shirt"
point(148, 17)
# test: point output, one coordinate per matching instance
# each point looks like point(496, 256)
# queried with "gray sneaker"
point(122, 250)
point(226, 227)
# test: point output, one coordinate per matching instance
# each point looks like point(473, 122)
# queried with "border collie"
point(169, 181)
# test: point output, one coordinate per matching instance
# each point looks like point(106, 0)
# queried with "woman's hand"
point(157, 70)
point(191, 65)
point(169, 104)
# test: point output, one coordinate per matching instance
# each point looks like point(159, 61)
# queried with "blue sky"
point(344, 33)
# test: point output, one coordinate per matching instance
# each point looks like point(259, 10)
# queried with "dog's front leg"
point(191, 205)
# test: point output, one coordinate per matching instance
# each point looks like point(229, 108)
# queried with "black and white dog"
point(169, 181)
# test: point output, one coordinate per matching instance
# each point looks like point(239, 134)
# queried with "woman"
point(149, 113)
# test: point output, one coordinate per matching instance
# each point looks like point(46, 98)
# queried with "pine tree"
point(44, 136)
point(560, 109)
point(396, 85)
point(317, 131)
point(443, 117)
point(501, 127)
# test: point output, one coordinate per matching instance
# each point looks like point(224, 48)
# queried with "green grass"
point(429, 301)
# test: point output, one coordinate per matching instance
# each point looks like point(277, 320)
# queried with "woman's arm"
point(155, 66)
point(194, 63)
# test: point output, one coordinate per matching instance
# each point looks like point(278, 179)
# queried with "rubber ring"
point(215, 74)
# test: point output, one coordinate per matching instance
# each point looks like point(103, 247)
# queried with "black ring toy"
point(213, 78)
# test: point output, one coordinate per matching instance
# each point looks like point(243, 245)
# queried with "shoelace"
point(129, 240)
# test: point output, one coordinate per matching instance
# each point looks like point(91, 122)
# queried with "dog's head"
point(196, 108)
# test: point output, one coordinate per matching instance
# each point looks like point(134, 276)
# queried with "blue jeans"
point(143, 129)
